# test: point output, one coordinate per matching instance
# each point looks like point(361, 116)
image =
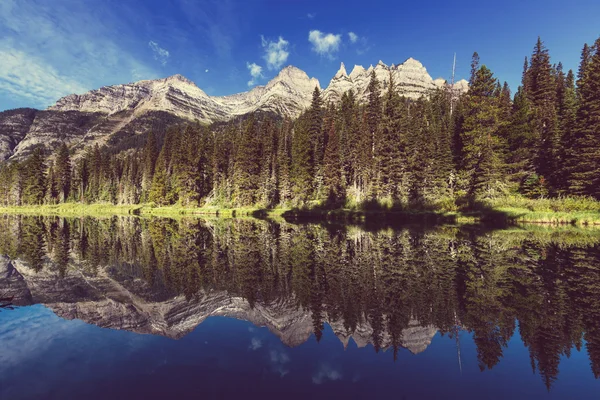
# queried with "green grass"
point(559, 211)
point(506, 210)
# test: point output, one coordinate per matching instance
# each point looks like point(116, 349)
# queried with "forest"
point(444, 152)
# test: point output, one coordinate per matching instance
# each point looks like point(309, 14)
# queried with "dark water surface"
point(160, 308)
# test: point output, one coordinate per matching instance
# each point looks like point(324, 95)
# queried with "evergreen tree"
point(246, 169)
point(481, 156)
point(317, 136)
point(149, 155)
point(542, 96)
point(302, 165)
point(567, 113)
point(585, 179)
point(34, 188)
point(62, 173)
point(332, 167)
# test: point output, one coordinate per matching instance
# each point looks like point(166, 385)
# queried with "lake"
point(127, 307)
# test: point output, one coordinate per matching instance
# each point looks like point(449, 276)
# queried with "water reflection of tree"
point(488, 283)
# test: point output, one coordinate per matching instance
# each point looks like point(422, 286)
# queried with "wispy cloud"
point(24, 75)
point(360, 43)
point(324, 44)
point(276, 53)
point(324, 373)
point(161, 55)
point(216, 21)
point(279, 359)
point(62, 48)
point(255, 344)
point(311, 15)
point(255, 73)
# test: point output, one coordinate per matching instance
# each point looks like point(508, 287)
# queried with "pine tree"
point(481, 159)
point(586, 178)
point(543, 98)
point(149, 155)
point(567, 113)
point(284, 184)
point(373, 110)
point(62, 173)
point(332, 168)
point(34, 188)
point(389, 145)
point(521, 140)
point(186, 166)
point(475, 68)
point(246, 169)
point(302, 165)
point(317, 136)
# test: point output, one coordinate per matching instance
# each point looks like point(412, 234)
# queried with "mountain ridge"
point(98, 115)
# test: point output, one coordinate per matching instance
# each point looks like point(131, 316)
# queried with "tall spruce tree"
point(482, 161)
point(567, 114)
point(302, 160)
point(149, 155)
point(34, 188)
point(585, 179)
point(542, 96)
point(62, 173)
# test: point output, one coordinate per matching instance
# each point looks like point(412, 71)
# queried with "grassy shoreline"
point(495, 214)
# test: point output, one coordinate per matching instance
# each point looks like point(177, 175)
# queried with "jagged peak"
point(381, 64)
point(341, 72)
point(412, 63)
point(178, 77)
point(357, 70)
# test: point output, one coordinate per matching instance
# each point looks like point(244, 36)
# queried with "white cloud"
point(27, 76)
point(62, 48)
point(161, 55)
point(324, 44)
point(255, 344)
point(278, 361)
point(206, 70)
point(361, 43)
point(276, 53)
point(326, 373)
point(311, 15)
point(255, 72)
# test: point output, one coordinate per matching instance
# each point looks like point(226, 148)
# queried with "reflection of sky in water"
point(43, 356)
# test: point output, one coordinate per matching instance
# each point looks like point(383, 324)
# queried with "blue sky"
point(49, 49)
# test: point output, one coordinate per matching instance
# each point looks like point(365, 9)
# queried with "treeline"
point(442, 152)
point(544, 285)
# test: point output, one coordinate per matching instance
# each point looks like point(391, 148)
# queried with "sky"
point(52, 48)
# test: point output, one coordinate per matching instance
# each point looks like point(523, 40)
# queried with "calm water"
point(136, 308)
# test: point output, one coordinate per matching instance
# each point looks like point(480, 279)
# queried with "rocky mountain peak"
point(341, 72)
point(179, 78)
point(118, 108)
point(411, 62)
point(356, 71)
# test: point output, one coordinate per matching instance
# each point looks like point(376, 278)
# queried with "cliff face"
point(105, 301)
point(106, 115)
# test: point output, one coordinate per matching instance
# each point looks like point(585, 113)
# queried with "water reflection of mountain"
point(165, 277)
point(105, 302)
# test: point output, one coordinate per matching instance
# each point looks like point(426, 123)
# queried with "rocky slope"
point(411, 79)
point(108, 302)
point(111, 114)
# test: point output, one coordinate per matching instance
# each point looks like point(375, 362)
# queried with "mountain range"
point(112, 114)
